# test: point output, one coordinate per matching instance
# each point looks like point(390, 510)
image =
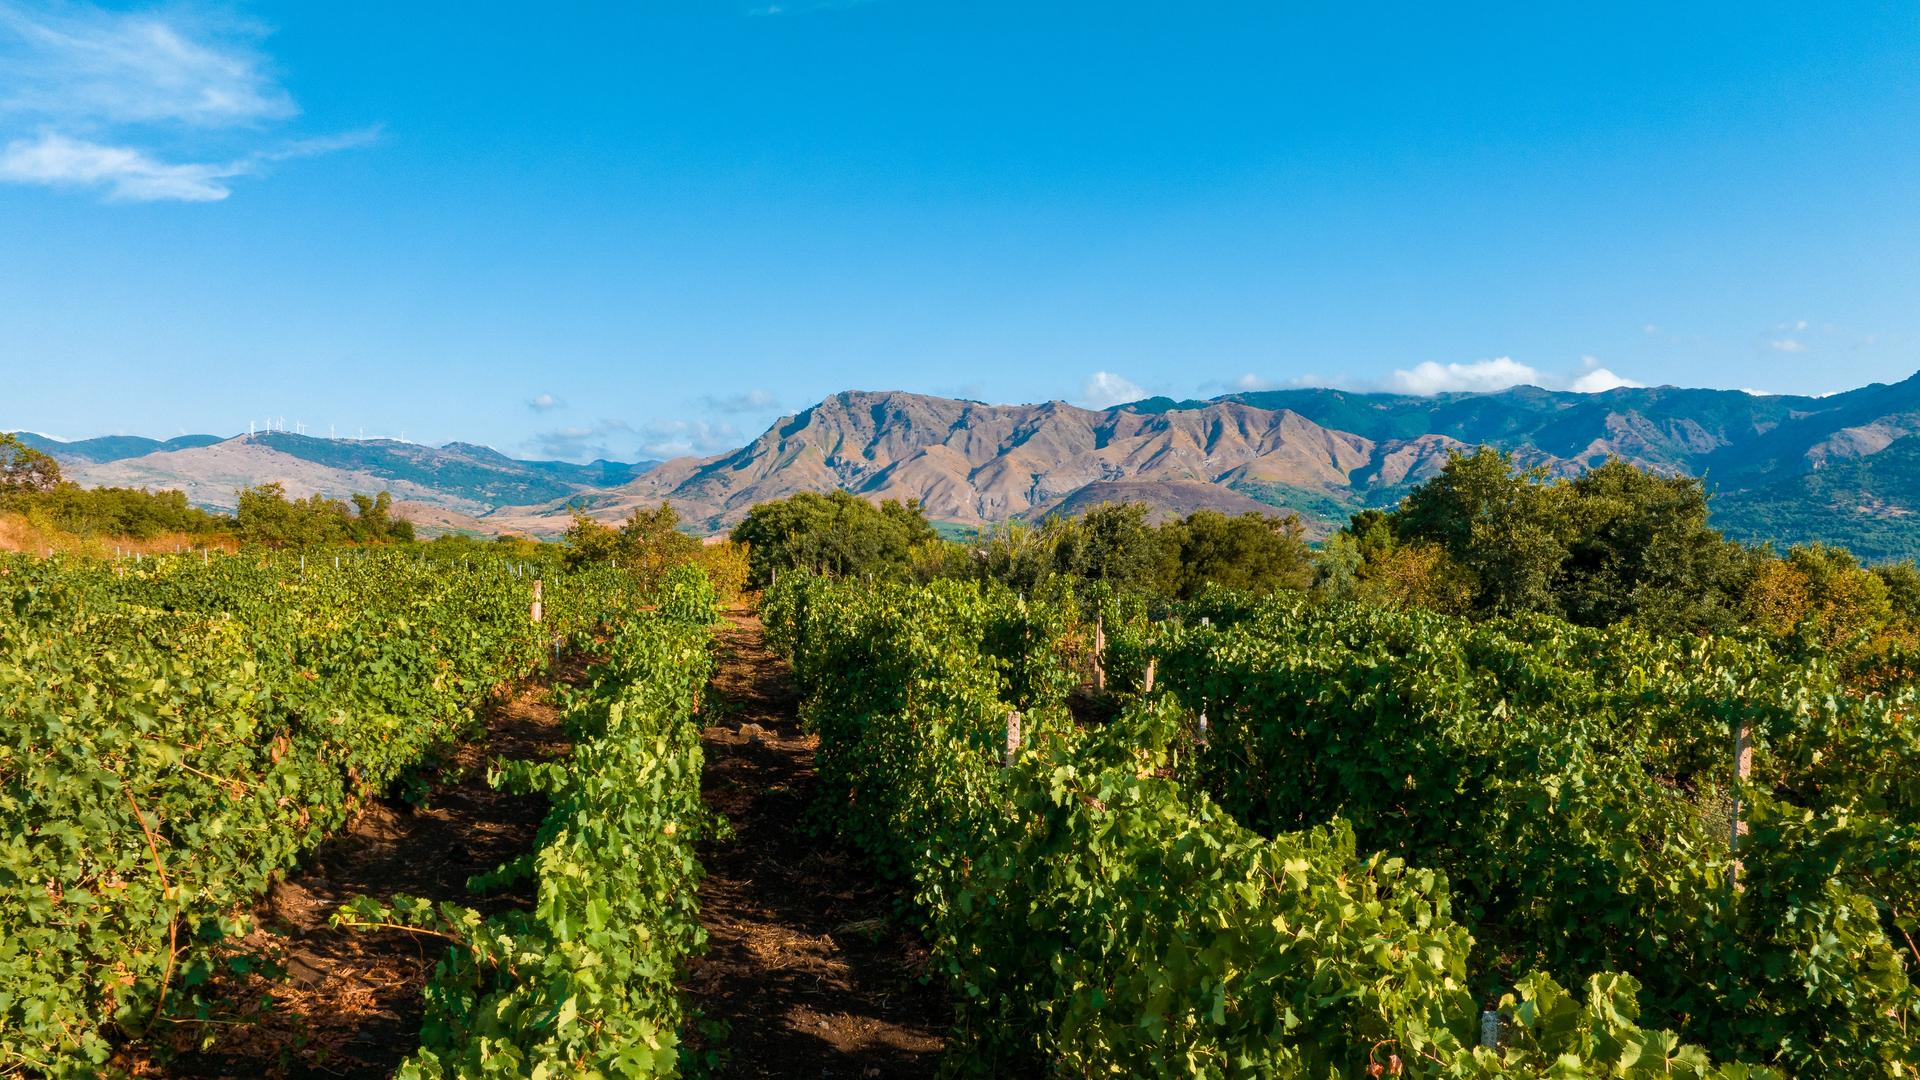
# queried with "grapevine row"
point(173, 734)
point(584, 982)
point(1096, 917)
point(1575, 786)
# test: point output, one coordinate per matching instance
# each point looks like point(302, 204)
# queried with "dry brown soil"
point(807, 964)
point(350, 1002)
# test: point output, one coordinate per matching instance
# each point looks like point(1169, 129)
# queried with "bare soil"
point(349, 1003)
point(807, 965)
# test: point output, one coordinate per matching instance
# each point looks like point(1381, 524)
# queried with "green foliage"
point(24, 470)
point(265, 516)
point(1640, 547)
point(117, 512)
point(1096, 917)
point(1503, 527)
point(245, 707)
point(1114, 546)
point(837, 533)
point(1573, 786)
point(1614, 544)
point(585, 981)
point(648, 543)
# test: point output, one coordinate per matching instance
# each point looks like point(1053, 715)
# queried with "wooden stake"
point(1099, 649)
point(1146, 686)
point(1742, 768)
point(536, 600)
point(1013, 736)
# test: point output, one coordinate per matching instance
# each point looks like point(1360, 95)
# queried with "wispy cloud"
point(585, 442)
point(750, 401)
point(1787, 345)
point(671, 438)
point(162, 104)
point(544, 403)
point(1482, 376)
point(1104, 390)
point(129, 175)
point(83, 62)
point(1432, 377)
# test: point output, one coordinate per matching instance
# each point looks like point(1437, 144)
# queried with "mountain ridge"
point(1843, 468)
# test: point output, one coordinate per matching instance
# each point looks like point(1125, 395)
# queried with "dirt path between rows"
point(350, 1003)
point(805, 963)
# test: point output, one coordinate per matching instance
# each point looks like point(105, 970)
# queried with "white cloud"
point(1500, 373)
point(163, 104)
point(679, 438)
point(88, 63)
point(1250, 383)
point(1650, 329)
point(1787, 345)
point(584, 442)
point(129, 175)
point(1599, 380)
point(1104, 390)
point(749, 401)
point(1480, 375)
point(544, 403)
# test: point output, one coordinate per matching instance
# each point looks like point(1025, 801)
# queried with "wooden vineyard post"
point(1013, 736)
point(1200, 730)
point(1146, 685)
point(536, 601)
point(1742, 768)
point(1099, 650)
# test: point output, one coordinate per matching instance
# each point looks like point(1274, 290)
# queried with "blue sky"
point(642, 229)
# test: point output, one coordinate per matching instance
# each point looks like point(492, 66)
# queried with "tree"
point(837, 533)
point(1640, 547)
point(652, 544)
point(1113, 544)
point(589, 542)
point(374, 522)
point(1823, 589)
point(1255, 553)
point(266, 516)
point(1503, 526)
point(24, 470)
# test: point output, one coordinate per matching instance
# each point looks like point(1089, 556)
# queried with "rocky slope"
point(1844, 468)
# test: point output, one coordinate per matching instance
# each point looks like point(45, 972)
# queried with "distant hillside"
point(969, 462)
point(109, 447)
point(1782, 467)
point(1844, 469)
point(460, 478)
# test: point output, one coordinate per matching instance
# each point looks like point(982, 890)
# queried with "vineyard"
point(1240, 838)
point(181, 730)
point(1395, 844)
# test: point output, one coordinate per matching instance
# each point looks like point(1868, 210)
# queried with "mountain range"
point(1786, 469)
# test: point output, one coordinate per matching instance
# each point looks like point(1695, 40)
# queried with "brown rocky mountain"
point(1843, 468)
point(973, 463)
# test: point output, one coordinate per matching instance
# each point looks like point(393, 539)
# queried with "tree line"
point(1484, 537)
point(32, 486)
